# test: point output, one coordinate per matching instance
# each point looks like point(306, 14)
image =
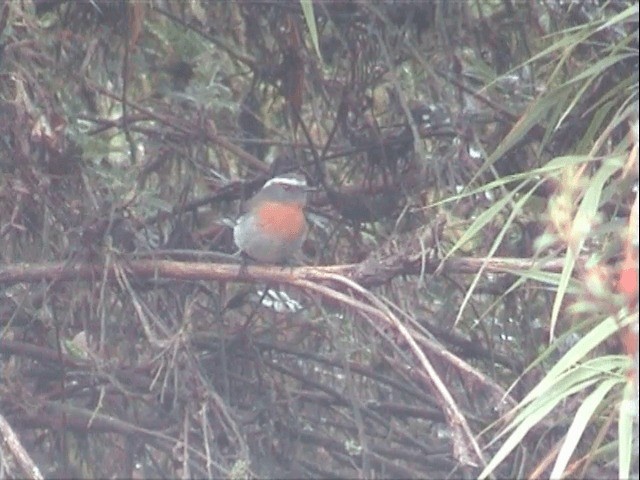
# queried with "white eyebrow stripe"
point(294, 182)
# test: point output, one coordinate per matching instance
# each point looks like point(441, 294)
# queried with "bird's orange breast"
point(284, 220)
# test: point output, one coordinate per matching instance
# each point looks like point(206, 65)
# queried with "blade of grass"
point(585, 214)
point(580, 422)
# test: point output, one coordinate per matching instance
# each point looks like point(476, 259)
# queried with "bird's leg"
point(244, 262)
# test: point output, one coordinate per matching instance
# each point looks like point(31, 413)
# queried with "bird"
point(274, 227)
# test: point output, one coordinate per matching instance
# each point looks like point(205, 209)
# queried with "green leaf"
point(585, 214)
point(627, 417)
point(310, 18)
point(579, 424)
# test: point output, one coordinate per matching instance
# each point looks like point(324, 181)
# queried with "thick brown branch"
point(370, 273)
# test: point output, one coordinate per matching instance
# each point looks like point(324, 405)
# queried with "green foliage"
point(463, 310)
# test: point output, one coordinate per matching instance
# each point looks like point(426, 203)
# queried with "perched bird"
point(274, 227)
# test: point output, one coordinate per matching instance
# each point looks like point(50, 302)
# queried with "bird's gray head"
point(285, 188)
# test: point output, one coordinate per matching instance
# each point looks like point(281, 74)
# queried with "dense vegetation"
point(468, 303)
